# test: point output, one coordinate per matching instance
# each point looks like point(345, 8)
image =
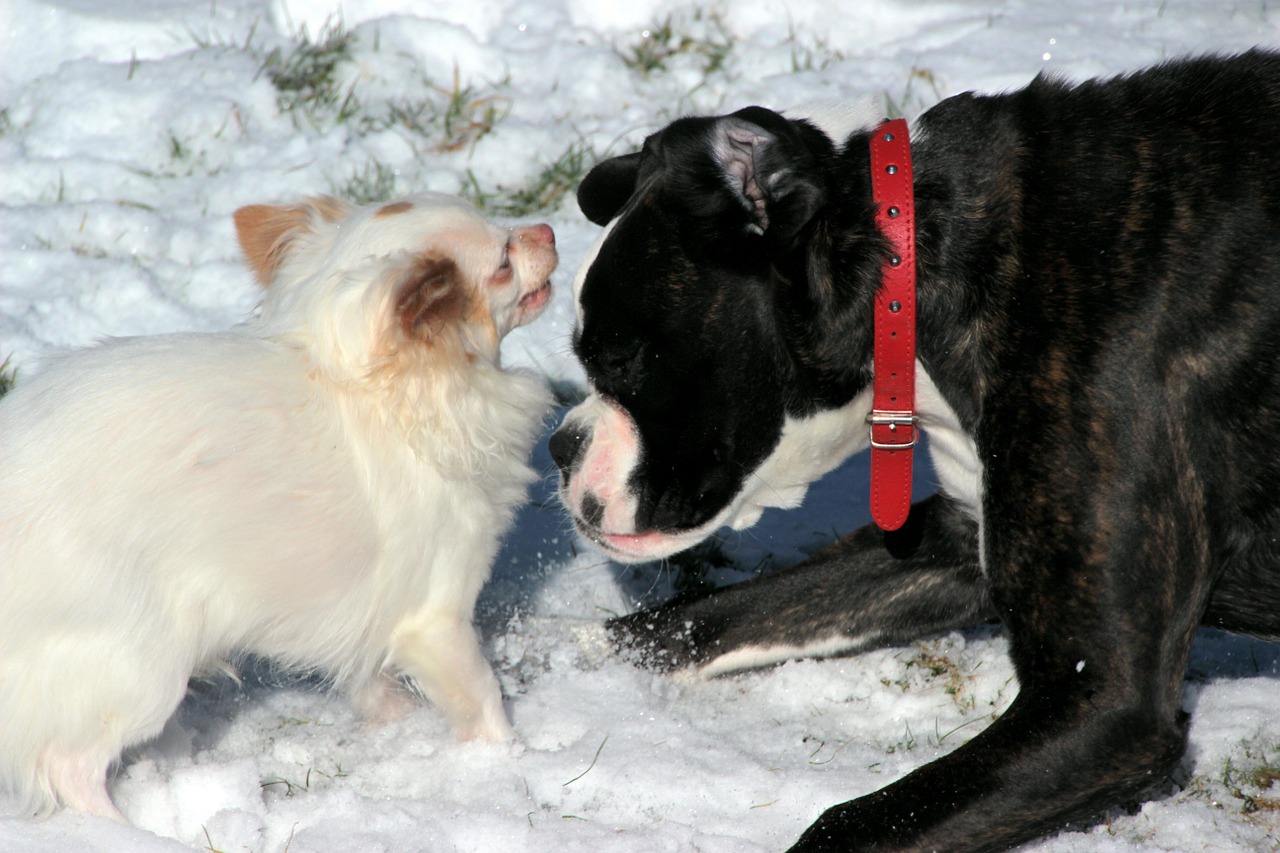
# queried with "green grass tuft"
point(291, 788)
point(307, 77)
point(447, 119)
point(816, 57)
point(544, 191)
point(316, 87)
point(913, 100)
point(701, 35)
point(933, 666)
point(1250, 778)
point(8, 375)
point(372, 183)
point(469, 115)
point(208, 841)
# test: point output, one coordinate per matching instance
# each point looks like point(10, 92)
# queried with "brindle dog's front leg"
point(1100, 587)
point(870, 589)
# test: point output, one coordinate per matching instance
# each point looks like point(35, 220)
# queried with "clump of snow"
point(130, 130)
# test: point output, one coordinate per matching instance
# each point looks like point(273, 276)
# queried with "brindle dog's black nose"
point(566, 446)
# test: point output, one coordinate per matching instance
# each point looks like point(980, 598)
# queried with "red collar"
point(893, 421)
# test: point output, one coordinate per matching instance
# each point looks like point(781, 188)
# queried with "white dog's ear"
point(430, 295)
point(266, 231)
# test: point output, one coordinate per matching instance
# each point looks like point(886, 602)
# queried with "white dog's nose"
point(540, 233)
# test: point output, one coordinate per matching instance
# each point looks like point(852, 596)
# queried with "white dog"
point(324, 485)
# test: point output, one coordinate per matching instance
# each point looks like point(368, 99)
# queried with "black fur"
point(1099, 303)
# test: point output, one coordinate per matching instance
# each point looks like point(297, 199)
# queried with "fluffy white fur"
point(324, 485)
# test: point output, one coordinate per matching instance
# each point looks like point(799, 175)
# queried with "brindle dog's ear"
point(607, 187)
point(771, 170)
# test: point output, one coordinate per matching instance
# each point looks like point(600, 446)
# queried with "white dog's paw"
point(490, 725)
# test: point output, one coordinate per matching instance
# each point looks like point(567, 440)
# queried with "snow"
point(129, 132)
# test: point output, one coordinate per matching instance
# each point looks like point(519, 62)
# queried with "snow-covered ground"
point(129, 132)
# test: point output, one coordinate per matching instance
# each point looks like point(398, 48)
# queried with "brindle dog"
point(1099, 364)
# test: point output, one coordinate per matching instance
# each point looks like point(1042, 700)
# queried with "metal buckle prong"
point(893, 420)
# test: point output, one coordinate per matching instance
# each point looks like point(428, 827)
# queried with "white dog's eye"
point(503, 274)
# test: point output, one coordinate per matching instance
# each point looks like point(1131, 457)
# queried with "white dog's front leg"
point(383, 699)
point(441, 653)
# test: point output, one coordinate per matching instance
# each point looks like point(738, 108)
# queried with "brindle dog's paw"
point(683, 632)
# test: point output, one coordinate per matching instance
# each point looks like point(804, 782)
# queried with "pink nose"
point(540, 233)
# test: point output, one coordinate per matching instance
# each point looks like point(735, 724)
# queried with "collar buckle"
point(893, 420)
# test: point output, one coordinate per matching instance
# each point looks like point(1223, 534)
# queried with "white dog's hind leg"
point(79, 780)
point(69, 707)
point(441, 653)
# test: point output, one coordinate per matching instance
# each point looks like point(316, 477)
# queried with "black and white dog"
point(1098, 372)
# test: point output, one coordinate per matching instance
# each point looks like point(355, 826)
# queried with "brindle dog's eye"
point(618, 373)
point(628, 370)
